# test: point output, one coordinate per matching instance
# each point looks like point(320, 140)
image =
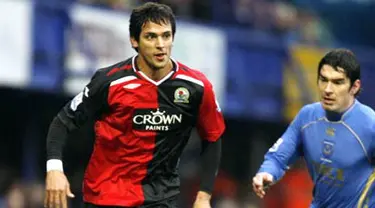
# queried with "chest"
point(164, 107)
point(336, 143)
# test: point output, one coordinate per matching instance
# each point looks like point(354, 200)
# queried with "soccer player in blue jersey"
point(335, 136)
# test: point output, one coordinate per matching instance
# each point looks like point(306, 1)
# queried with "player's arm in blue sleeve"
point(286, 149)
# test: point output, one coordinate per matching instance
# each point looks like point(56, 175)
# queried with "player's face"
point(155, 44)
point(336, 94)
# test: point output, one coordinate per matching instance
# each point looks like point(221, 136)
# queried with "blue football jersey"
point(339, 155)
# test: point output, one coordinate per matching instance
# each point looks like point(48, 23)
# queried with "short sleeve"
point(210, 119)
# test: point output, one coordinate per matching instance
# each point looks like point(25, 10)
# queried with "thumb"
point(268, 178)
point(69, 192)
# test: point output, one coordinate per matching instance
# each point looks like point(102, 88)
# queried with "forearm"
point(210, 162)
point(272, 166)
point(56, 138)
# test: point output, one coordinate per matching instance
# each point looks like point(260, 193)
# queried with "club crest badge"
point(330, 131)
point(181, 95)
point(327, 148)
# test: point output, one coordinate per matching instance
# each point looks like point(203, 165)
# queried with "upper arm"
point(210, 124)
point(287, 148)
point(87, 104)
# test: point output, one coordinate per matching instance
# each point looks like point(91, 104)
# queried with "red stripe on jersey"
point(127, 67)
point(116, 69)
point(210, 124)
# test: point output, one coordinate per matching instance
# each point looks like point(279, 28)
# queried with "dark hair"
point(344, 59)
point(153, 12)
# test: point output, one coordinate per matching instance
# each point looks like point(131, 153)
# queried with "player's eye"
point(323, 79)
point(166, 35)
point(150, 36)
point(339, 82)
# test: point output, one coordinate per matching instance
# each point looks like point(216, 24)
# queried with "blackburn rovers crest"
point(181, 95)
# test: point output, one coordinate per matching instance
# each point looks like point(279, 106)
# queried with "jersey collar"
point(136, 70)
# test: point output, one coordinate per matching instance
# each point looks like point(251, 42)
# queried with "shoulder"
point(110, 71)
point(310, 113)
point(362, 119)
point(366, 110)
point(364, 113)
point(114, 72)
point(192, 75)
point(313, 110)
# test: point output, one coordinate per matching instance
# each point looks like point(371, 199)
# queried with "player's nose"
point(160, 42)
point(328, 88)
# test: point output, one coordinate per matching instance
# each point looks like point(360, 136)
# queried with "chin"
point(329, 107)
point(158, 66)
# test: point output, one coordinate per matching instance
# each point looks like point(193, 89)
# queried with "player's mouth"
point(160, 56)
point(328, 101)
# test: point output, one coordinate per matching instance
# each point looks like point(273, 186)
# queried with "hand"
point(261, 182)
point(202, 200)
point(57, 189)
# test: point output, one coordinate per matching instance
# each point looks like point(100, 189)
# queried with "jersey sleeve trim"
point(366, 190)
point(190, 79)
point(311, 123)
point(122, 80)
point(358, 139)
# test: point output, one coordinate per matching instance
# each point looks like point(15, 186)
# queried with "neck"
point(155, 74)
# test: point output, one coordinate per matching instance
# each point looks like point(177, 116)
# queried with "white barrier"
point(15, 43)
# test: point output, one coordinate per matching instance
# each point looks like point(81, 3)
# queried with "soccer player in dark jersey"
point(144, 110)
point(335, 136)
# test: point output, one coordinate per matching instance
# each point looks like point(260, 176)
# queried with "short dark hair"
point(153, 12)
point(344, 59)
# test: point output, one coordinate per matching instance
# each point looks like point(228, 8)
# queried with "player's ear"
point(133, 42)
point(355, 87)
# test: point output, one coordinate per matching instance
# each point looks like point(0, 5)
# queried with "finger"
point(57, 201)
point(258, 189)
point(46, 199)
point(259, 195)
point(69, 192)
point(255, 186)
point(64, 200)
point(62, 196)
point(51, 197)
point(258, 192)
point(263, 193)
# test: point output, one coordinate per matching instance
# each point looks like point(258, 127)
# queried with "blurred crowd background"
point(261, 56)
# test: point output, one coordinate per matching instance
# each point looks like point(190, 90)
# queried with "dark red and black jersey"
point(141, 129)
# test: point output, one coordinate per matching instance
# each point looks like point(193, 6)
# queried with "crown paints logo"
point(155, 119)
